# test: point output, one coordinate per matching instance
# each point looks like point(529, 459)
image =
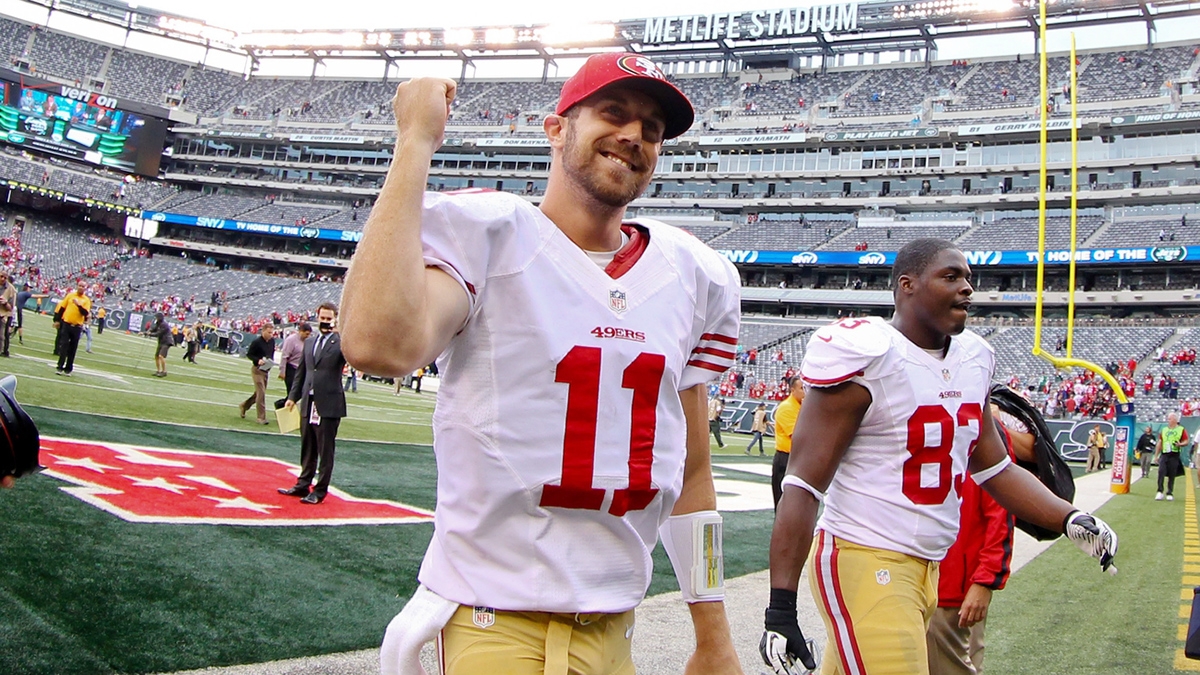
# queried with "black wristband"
point(783, 599)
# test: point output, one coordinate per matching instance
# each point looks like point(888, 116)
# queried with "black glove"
point(783, 643)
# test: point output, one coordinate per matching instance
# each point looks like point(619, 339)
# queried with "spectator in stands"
point(70, 315)
point(161, 331)
point(8, 303)
point(261, 354)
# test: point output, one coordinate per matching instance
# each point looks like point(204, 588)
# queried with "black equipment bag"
point(1050, 468)
point(19, 440)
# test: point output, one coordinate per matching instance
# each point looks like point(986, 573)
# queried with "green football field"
point(82, 591)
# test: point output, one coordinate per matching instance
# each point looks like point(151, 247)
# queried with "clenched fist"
point(421, 106)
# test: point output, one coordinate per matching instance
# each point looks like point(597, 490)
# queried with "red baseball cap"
point(634, 71)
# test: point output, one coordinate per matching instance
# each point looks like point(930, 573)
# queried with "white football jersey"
point(559, 433)
point(897, 487)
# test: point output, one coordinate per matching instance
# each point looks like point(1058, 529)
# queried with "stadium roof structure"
point(753, 37)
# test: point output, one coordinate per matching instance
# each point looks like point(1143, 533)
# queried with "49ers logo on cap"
point(155, 485)
point(641, 66)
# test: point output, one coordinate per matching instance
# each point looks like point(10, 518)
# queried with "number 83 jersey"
point(559, 431)
point(897, 487)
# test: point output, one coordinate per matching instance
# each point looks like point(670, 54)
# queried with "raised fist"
point(421, 106)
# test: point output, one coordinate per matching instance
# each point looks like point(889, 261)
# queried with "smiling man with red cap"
point(571, 430)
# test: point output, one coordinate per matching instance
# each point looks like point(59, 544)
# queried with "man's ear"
point(555, 127)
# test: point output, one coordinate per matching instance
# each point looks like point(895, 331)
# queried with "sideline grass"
point(1060, 615)
point(116, 380)
point(84, 592)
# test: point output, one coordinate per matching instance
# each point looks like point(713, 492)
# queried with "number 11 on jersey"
point(580, 371)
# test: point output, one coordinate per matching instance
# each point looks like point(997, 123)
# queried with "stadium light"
point(415, 38)
point(343, 39)
point(566, 34)
point(500, 36)
point(459, 36)
point(196, 29)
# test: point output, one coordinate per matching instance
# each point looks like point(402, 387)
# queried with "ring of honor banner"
point(1122, 448)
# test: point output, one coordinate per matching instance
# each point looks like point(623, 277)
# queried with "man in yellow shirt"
point(72, 311)
point(785, 422)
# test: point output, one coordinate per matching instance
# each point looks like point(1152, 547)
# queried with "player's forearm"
point(1026, 498)
point(698, 492)
point(791, 538)
point(711, 625)
point(384, 303)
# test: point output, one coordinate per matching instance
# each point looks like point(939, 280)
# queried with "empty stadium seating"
point(837, 94)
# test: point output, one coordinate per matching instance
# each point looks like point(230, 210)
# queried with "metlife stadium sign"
point(1156, 254)
point(756, 25)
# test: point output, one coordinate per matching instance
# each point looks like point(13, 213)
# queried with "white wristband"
point(981, 477)
point(796, 481)
point(693, 543)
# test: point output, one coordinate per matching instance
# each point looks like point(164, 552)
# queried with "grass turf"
point(84, 592)
point(1060, 615)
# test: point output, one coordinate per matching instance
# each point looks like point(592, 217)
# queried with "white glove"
point(419, 622)
point(1094, 537)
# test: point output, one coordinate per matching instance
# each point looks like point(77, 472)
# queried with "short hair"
point(794, 380)
point(332, 306)
point(916, 256)
point(304, 327)
point(1172, 416)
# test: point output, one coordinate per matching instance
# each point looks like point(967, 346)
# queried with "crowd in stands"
point(903, 90)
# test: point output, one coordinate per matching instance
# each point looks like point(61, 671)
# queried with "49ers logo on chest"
point(156, 485)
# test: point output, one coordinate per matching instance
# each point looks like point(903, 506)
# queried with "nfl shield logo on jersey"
point(616, 301)
point(883, 577)
point(484, 617)
point(946, 374)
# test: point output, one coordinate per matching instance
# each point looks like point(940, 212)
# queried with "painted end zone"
point(157, 485)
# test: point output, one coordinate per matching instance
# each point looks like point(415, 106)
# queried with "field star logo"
point(616, 301)
point(156, 485)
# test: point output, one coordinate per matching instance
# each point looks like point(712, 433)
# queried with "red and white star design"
point(156, 485)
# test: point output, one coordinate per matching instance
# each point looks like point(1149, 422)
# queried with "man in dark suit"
point(318, 388)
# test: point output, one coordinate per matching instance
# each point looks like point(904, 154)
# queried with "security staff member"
point(71, 313)
point(786, 414)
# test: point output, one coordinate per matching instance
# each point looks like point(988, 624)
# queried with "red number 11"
point(580, 371)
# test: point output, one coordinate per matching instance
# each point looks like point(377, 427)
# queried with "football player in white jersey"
point(897, 414)
point(571, 429)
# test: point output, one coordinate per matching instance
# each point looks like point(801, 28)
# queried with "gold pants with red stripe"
point(535, 643)
point(876, 605)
